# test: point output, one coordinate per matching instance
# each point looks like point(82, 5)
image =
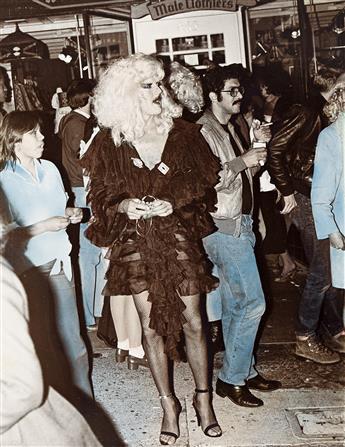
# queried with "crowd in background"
point(165, 172)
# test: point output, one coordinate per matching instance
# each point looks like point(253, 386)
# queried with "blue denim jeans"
point(55, 327)
point(320, 303)
point(242, 298)
point(92, 267)
point(214, 300)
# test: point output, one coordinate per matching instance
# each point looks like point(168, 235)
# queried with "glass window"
point(217, 40)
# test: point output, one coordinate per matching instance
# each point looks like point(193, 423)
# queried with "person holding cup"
point(239, 302)
point(39, 249)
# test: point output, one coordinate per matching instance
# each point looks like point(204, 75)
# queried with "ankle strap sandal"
point(215, 424)
point(173, 436)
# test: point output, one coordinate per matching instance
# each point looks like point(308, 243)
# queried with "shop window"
point(197, 51)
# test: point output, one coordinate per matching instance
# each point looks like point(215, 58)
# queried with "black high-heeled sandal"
point(169, 433)
point(209, 427)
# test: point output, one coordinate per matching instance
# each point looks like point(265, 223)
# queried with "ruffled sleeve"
point(194, 184)
point(105, 191)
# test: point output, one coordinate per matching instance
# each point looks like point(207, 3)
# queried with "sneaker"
point(337, 344)
point(312, 349)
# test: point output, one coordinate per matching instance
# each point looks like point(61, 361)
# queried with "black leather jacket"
point(291, 150)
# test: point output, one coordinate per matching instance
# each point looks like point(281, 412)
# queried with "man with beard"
point(231, 249)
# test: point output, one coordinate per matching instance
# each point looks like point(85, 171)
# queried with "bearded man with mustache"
point(239, 301)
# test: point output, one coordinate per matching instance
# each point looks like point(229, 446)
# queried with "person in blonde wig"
point(328, 187)
point(116, 87)
point(151, 188)
point(185, 87)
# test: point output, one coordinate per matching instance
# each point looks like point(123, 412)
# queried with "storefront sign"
point(169, 7)
point(165, 8)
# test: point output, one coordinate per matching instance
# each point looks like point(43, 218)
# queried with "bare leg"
point(158, 361)
point(288, 264)
point(197, 358)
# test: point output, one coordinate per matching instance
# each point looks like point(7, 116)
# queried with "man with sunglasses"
point(239, 301)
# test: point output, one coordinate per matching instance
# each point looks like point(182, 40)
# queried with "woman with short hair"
point(36, 198)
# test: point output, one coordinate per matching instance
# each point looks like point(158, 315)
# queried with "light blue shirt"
point(328, 189)
point(31, 200)
point(328, 192)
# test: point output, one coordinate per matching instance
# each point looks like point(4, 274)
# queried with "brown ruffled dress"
point(163, 255)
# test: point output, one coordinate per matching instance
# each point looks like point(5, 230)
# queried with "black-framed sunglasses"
point(148, 86)
point(234, 91)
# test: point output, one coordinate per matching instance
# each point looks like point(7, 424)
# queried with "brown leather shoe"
point(121, 355)
point(135, 362)
point(238, 394)
point(261, 384)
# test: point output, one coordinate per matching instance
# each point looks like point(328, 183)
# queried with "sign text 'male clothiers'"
point(166, 8)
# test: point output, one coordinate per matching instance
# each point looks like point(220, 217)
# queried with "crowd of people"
point(159, 174)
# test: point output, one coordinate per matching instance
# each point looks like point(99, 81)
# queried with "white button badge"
point(163, 168)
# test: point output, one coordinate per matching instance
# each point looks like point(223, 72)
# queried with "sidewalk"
point(308, 411)
point(131, 401)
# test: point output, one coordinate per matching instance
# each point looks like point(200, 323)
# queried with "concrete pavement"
point(290, 417)
point(308, 411)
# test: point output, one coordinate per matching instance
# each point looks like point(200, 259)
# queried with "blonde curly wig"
point(336, 103)
point(186, 87)
point(116, 99)
point(335, 110)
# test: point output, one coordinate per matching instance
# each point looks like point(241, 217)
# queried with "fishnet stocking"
point(153, 345)
point(196, 354)
point(158, 361)
point(197, 358)
point(195, 341)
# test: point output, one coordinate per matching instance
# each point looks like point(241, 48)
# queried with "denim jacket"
point(229, 189)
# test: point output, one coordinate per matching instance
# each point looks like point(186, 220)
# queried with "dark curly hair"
point(214, 79)
point(276, 80)
point(79, 91)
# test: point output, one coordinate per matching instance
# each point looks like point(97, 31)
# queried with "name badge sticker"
point(163, 168)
